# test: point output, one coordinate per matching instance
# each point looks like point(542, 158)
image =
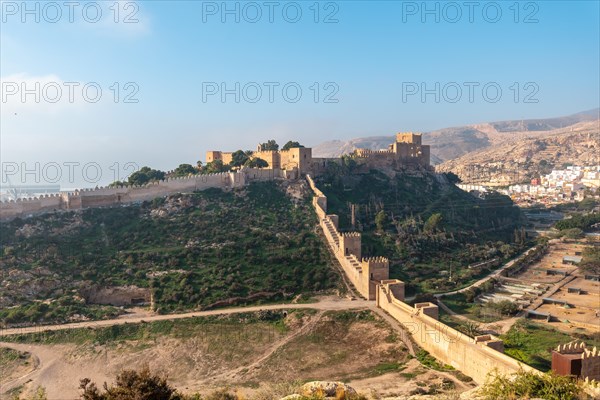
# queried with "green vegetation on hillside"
point(464, 304)
point(579, 221)
point(532, 343)
point(192, 251)
point(425, 225)
point(591, 260)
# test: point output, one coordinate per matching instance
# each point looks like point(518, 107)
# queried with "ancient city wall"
point(9, 210)
point(110, 196)
point(475, 358)
point(362, 272)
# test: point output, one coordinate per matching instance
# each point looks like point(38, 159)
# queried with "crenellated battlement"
point(106, 196)
point(367, 153)
point(375, 260)
point(350, 234)
point(590, 353)
point(574, 347)
point(575, 358)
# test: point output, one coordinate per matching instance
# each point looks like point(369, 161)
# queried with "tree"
point(591, 260)
point(214, 167)
point(131, 384)
point(269, 145)
point(145, 175)
point(185, 170)
point(527, 385)
point(573, 233)
point(117, 184)
point(380, 220)
point(256, 163)
point(433, 222)
point(238, 158)
point(291, 145)
point(452, 177)
point(348, 163)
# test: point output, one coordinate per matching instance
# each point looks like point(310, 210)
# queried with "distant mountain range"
point(452, 143)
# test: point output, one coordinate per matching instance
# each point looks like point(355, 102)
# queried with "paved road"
point(493, 274)
point(328, 303)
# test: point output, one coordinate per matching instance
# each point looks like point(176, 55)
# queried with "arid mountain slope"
point(450, 143)
point(528, 155)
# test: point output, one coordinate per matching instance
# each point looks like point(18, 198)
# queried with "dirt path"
point(326, 303)
point(492, 274)
point(240, 372)
point(56, 370)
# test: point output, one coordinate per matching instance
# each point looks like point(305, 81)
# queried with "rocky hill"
point(450, 143)
point(527, 155)
point(203, 250)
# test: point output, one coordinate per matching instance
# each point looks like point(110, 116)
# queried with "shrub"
point(130, 384)
point(529, 385)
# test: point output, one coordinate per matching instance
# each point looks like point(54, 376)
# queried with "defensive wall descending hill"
point(364, 273)
point(476, 357)
point(111, 196)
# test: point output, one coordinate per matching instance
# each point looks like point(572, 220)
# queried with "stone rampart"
point(110, 196)
point(362, 273)
point(474, 357)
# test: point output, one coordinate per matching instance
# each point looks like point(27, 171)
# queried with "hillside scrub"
point(200, 250)
point(529, 385)
point(579, 221)
point(434, 234)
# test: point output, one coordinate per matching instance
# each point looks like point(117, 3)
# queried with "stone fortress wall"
point(285, 164)
point(476, 357)
point(407, 150)
point(108, 196)
point(364, 273)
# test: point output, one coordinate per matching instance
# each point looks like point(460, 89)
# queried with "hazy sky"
point(361, 68)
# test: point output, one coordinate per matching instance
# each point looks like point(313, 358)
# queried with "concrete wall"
point(474, 358)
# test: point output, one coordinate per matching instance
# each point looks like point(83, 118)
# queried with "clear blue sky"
point(371, 54)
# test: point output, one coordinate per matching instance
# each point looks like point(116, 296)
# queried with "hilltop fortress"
point(406, 152)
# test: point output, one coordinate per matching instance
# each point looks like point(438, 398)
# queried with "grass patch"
point(385, 368)
point(532, 343)
point(429, 361)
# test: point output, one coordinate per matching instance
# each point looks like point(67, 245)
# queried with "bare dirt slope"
point(355, 346)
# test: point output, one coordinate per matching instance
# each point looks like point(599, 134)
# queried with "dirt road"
point(325, 303)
